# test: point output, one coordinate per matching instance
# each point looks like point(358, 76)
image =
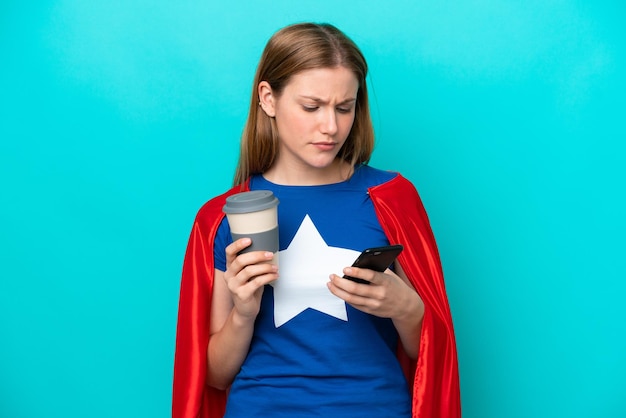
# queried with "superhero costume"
point(434, 377)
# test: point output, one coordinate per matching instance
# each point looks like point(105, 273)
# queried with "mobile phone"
point(377, 259)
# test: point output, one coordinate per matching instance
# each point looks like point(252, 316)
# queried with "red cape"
point(434, 377)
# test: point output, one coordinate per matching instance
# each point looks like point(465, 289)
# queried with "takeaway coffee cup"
point(254, 215)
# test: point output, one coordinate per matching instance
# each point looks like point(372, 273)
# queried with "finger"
point(355, 294)
point(247, 266)
point(264, 272)
point(262, 279)
point(247, 289)
point(342, 287)
point(361, 273)
point(233, 249)
point(242, 260)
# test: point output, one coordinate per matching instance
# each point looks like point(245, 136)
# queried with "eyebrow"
point(318, 100)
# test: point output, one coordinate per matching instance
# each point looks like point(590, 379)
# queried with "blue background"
point(118, 119)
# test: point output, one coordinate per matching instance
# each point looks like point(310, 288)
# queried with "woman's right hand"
point(236, 301)
point(246, 275)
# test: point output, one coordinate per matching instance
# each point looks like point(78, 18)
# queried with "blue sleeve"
point(222, 240)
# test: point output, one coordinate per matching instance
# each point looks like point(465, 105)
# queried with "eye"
point(310, 108)
point(344, 109)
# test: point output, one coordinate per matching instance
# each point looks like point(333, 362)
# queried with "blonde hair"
point(293, 49)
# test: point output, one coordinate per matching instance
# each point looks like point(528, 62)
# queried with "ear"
point(267, 99)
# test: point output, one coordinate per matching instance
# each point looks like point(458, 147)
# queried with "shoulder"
point(397, 189)
point(211, 211)
point(378, 179)
point(387, 186)
point(370, 176)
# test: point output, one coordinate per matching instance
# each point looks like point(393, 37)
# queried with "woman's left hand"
point(389, 295)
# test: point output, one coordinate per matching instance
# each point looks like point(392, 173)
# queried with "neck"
point(337, 172)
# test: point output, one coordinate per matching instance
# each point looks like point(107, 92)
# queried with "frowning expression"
point(314, 115)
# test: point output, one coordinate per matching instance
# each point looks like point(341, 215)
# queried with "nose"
point(329, 122)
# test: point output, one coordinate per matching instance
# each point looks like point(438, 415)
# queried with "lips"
point(325, 146)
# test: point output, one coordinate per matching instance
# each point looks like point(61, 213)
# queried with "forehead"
point(324, 82)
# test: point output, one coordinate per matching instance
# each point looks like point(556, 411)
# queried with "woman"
point(300, 340)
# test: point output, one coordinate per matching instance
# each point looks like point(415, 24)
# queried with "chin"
point(323, 164)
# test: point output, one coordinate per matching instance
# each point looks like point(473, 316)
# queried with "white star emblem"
point(304, 268)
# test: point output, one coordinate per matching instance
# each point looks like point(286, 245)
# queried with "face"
point(314, 115)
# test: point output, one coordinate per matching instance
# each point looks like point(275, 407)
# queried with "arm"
point(235, 304)
point(436, 376)
point(409, 325)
